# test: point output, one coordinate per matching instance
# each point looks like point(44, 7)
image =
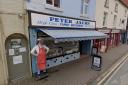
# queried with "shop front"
point(112, 41)
point(115, 37)
point(66, 37)
point(103, 44)
point(123, 36)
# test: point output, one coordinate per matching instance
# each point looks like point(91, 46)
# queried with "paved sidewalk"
point(79, 71)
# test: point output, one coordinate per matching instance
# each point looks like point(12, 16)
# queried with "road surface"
point(120, 76)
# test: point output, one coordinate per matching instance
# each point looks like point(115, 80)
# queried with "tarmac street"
point(120, 76)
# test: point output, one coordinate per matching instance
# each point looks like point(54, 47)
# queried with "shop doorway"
point(85, 47)
point(16, 47)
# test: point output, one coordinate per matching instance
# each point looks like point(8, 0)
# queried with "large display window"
point(58, 48)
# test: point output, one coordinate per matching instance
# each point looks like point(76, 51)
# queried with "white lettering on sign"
point(53, 21)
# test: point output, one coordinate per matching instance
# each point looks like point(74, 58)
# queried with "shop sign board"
point(96, 62)
point(55, 21)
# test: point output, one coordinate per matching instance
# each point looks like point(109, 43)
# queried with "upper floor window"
point(115, 20)
point(116, 7)
point(84, 7)
point(55, 3)
point(106, 4)
point(105, 16)
point(125, 13)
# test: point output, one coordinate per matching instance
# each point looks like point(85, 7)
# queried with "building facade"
point(73, 26)
point(112, 15)
point(68, 30)
point(111, 19)
point(13, 28)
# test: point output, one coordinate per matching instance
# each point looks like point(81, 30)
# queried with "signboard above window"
point(56, 21)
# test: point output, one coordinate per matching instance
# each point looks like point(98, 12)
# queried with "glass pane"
point(49, 2)
point(82, 6)
point(57, 3)
point(61, 48)
point(114, 21)
point(87, 1)
point(125, 12)
point(116, 7)
point(85, 9)
point(107, 3)
point(105, 19)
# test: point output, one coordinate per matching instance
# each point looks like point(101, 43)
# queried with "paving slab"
point(78, 72)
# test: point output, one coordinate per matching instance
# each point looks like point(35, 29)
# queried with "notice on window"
point(11, 52)
point(16, 43)
point(17, 59)
point(23, 49)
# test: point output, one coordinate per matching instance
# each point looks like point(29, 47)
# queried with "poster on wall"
point(15, 43)
point(11, 52)
point(17, 59)
point(22, 49)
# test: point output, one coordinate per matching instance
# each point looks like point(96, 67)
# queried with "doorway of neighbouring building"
point(16, 47)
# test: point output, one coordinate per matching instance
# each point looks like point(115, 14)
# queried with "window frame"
point(125, 15)
point(114, 20)
point(53, 3)
point(106, 5)
point(116, 7)
point(83, 5)
point(48, 3)
point(105, 16)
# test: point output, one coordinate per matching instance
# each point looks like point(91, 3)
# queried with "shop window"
point(106, 4)
point(105, 18)
point(84, 7)
point(115, 20)
point(116, 8)
point(55, 3)
point(60, 48)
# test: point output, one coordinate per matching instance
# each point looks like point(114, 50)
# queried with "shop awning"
point(73, 35)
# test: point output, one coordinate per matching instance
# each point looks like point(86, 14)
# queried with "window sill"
point(84, 16)
point(106, 7)
point(51, 7)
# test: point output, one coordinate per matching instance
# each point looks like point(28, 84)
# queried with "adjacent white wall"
point(12, 20)
point(100, 9)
